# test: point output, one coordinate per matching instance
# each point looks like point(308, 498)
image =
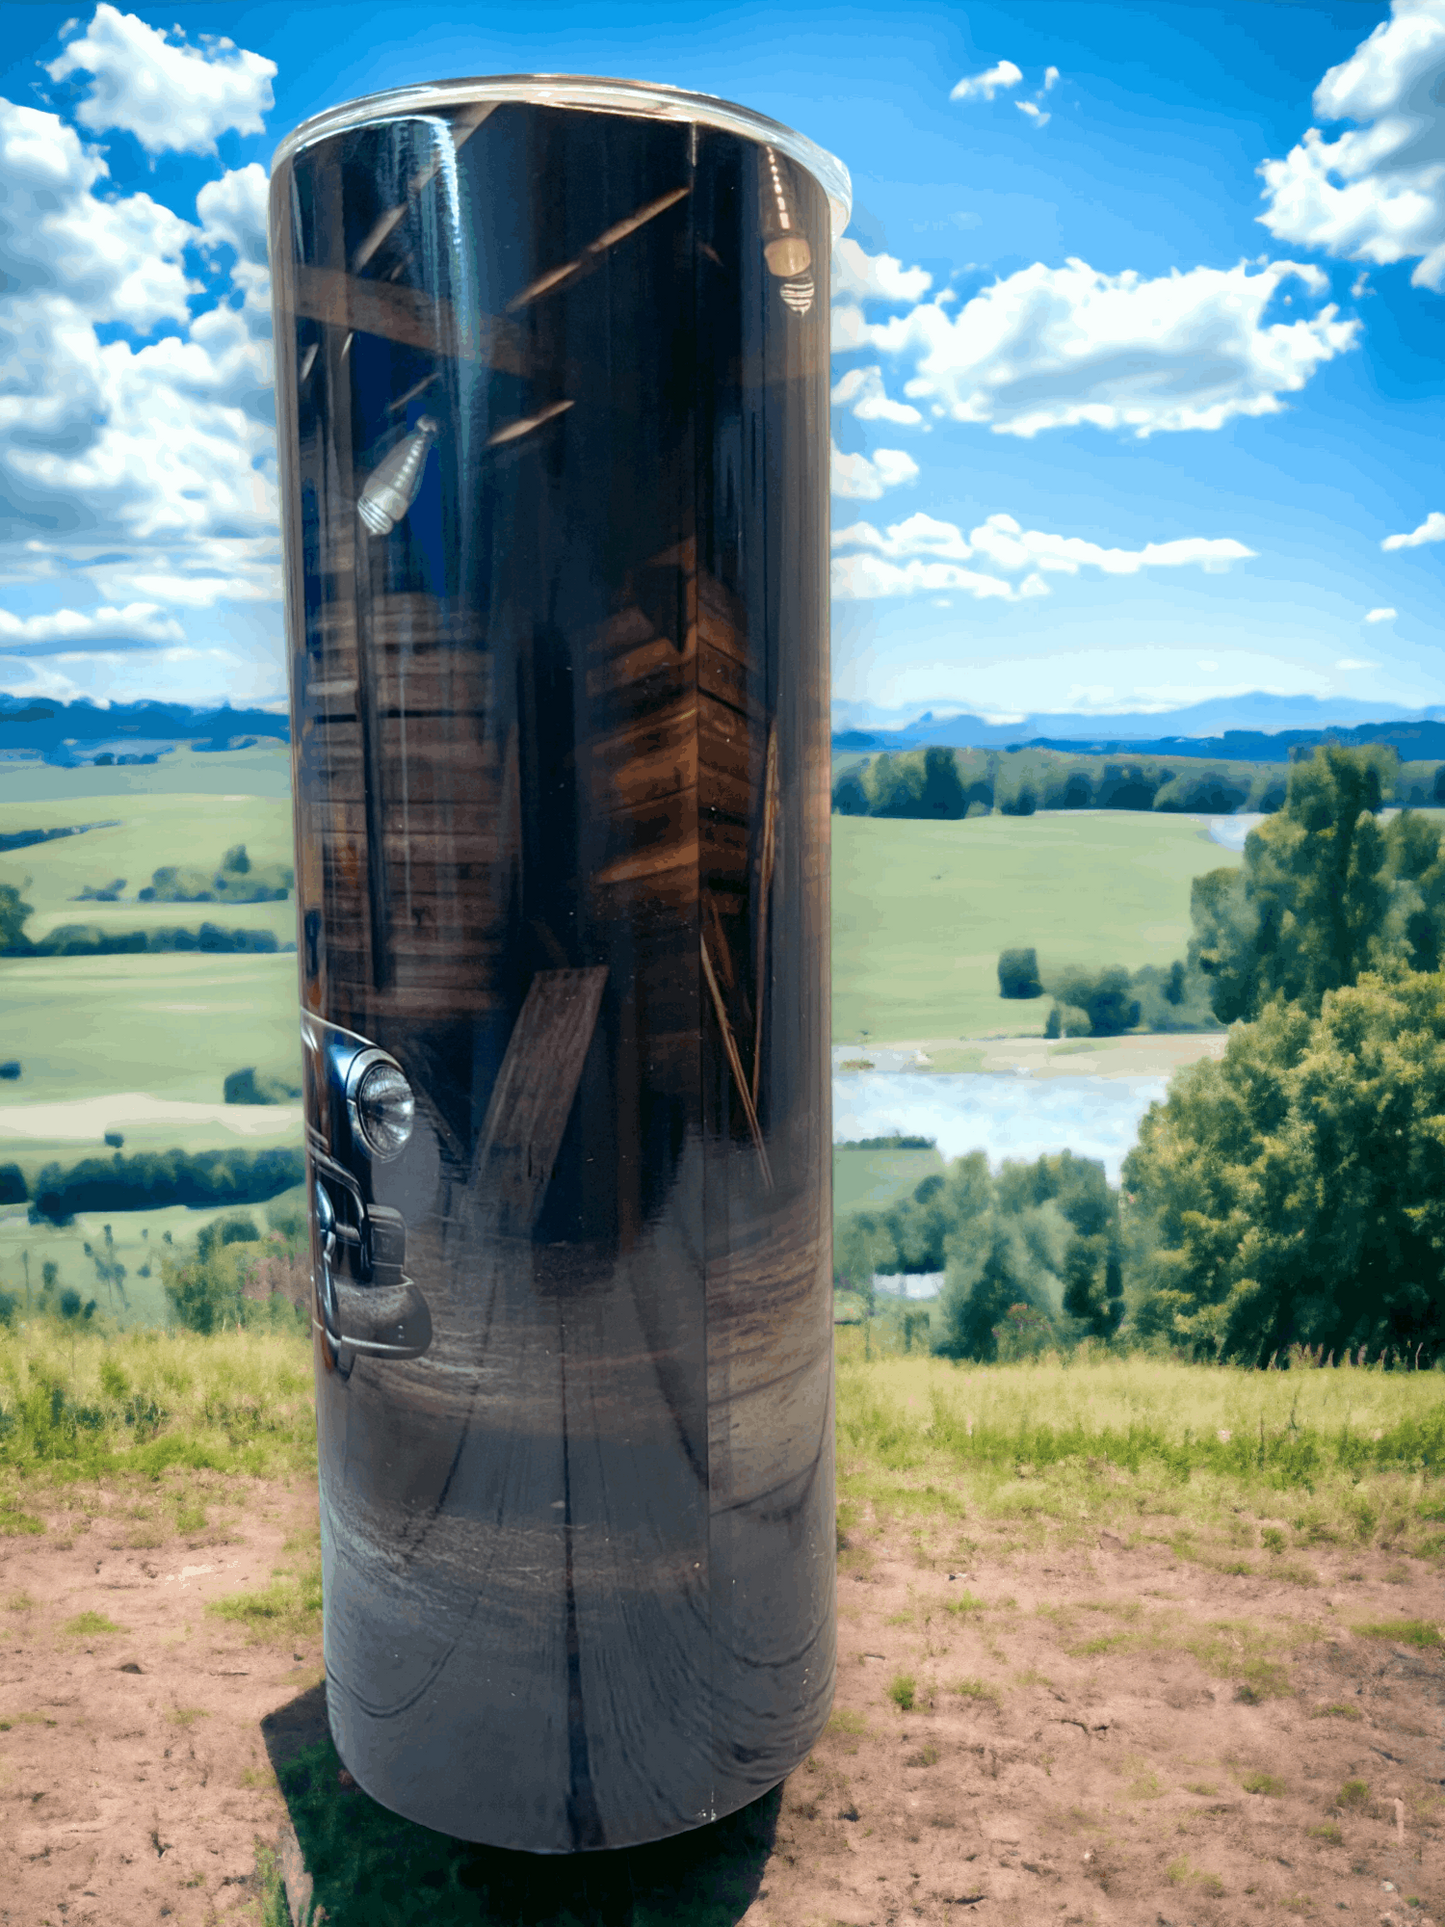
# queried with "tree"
point(1294, 1191)
point(1318, 900)
point(1018, 974)
point(943, 793)
point(13, 915)
point(850, 794)
point(1104, 996)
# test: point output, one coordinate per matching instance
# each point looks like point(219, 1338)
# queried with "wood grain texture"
point(534, 1093)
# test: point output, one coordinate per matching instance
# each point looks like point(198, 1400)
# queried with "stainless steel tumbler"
point(552, 393)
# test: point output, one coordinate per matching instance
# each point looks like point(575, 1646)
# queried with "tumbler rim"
point(645, 98)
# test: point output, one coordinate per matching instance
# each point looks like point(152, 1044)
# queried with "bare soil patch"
point(134, 1781)
point(1108, 1733)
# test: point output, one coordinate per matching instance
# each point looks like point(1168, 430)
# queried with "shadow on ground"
point(371, 1867)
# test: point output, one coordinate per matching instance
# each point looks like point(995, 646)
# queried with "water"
point(1007, 1117)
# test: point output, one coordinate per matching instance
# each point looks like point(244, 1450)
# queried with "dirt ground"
point(1118, 1703)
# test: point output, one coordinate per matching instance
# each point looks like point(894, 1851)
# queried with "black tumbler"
point(552, 393)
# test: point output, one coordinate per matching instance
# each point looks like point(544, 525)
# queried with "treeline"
point(1109, 1002)
point(1032, 1255)
point(151, 1180)
point(941, 783)
point(95, 940)
point(1289, 1195)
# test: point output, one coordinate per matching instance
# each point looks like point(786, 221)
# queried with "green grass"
point(1192, 1458)
point(903, 1690)
point(872, 1180)
point(166, 1401)
point(1409, 1632)
point(1268, 1784)
point(922, 910)
point(171, 1025)
point(88, 1625)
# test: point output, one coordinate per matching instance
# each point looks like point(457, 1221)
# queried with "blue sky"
point(1139, 392)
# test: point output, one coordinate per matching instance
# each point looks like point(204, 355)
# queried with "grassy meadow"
point(149, 832)
point(871, 1180)
point(1057, 1448)
point(922, 910)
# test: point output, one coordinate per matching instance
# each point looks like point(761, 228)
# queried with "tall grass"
point(80, 1404)
point(1352, 1455)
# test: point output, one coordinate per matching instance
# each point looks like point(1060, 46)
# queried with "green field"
point(138, 1240)
point(922, 910)
point(871, 1180)
point(152, 830)
point(237, 774)
point(171, 1025)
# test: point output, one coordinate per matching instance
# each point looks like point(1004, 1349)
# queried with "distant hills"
point(82, 732)
point(1257, 729)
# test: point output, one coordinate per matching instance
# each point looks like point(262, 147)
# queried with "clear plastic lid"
point(649, 99)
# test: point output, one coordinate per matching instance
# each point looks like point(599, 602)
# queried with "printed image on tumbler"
point(552, 391)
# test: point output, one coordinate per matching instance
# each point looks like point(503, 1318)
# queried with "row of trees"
point(1109, 1002)
point(96, 940)
point(942, 783)
point(1044, 1237)
point(151, 1180)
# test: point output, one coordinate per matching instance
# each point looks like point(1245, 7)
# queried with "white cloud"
point(984, 86)
point(866, 578)
point(864, 479)
point(1432, 529)
point(907, 557)
point(233, 214)
point(875, 277)
point(1051, 75)
point(1382, 615)
point(172, 439)
point(1054, 347)
point(139, 622)
point(1010, 547)
point(861, 389)
point(1349, 662)
point(920, 534)
point(172, 96)
point(1035, 114)
point(1378, 192)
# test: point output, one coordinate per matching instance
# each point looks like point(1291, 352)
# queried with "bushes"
point(91, 940)
point(153, 1179)
point(237, 880)
point(247, 1087)
point(1018, 974)
point(13, 1188)
point(1102, 995)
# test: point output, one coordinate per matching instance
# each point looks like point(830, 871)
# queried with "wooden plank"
point(533, 1096)
point(406, 315)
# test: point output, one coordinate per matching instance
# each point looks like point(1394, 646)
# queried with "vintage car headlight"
point(382, 1106)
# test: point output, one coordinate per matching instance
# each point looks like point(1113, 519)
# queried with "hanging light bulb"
point(392, 485)
point(797, 293)
point(785, 245)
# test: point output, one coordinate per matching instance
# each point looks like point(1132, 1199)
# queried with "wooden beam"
point(533, 1096)
point(406, 315)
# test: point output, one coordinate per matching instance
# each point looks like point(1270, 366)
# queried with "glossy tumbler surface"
point(552, 385)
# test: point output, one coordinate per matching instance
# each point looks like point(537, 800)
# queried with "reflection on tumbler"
point(391, 488)
point(559, 685)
